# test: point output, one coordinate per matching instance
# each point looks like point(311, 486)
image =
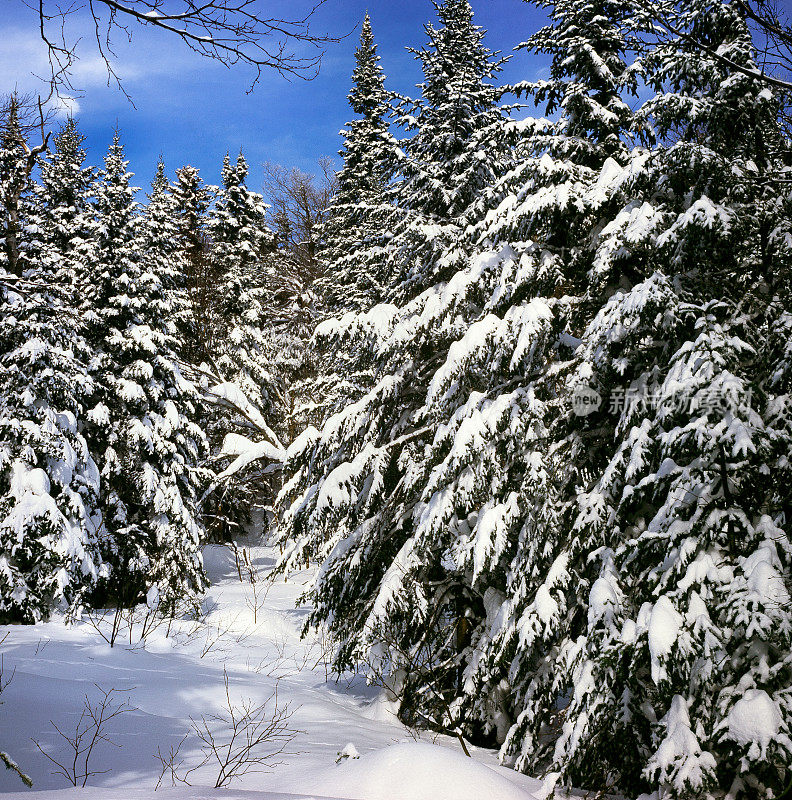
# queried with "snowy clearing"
point(169, 679)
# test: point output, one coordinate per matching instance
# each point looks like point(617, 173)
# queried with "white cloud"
point(22, 57)
point(25, 67)
point(65, 106)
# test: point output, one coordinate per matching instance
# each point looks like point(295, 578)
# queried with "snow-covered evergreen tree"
point(192, 199)
point(245, 362)
point(241, 242)
point(159, 239)
point(49, 525)
point(616, 640)
point(357, 230)
point(64, 195)
point(388, 591)
point(685, 485)
point(361, 217)
point(16, 164)
point(545, 216)
point(532, 521)
point(457, 150)
point(142, 433)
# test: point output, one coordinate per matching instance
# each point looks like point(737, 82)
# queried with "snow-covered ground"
point(169, 679)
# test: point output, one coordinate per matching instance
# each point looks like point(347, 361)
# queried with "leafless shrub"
point(213, 637)
point(6, 759)
point(41, 646)
point(133, 625)
point(242, 739)
point(171, 763)
point(5, 678)
point(280, 665)
point(136, 624)
point(89, 731)
point(259, 590)
point(239, 559)
point(321, 652)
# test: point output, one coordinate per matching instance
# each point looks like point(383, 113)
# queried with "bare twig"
point(171, 763)
point(89, 731)
point(242, 739)
point(230, 32)
point(5, 758)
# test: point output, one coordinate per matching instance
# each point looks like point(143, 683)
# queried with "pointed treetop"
point(234, 174)
point(11, 135)
point(367, 95)
point(589, 43)
point(68, 141)
point(159, 184)
point(115, 163)
point(458, 106)
point(241, 167)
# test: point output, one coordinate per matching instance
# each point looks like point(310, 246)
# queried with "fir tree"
point(545, 215)
point(239, 233)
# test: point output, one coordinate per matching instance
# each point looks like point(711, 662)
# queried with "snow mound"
point(418, 771)
point(754, 719)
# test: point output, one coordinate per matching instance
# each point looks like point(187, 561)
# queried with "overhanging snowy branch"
point(245, 452)
point(241, 449)
point(778, 34)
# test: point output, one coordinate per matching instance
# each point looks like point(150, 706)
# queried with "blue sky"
point(193, 111)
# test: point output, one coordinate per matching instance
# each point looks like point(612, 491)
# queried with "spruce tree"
point(158, 237)
point(64, 199)
point(686, 486)
point(49, 484)
point(389, 590)
point(359, 220)
point(621, 622)
point(357, 231)
point(458, 149)
point(192, 199)
point(17, 160)
point(240, 243)
point(145, 442)
point(245, 361)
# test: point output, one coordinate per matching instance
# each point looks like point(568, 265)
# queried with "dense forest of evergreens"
point(520, 386)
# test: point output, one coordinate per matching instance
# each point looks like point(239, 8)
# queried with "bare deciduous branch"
point(89, 731)
point(243, 738)
point(230, 32)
